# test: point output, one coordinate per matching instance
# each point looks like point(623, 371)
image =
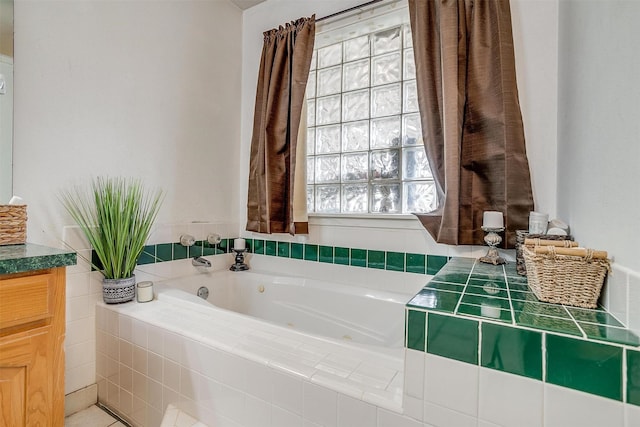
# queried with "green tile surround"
point(487, 316)
point(355, 257)
point(30, 257)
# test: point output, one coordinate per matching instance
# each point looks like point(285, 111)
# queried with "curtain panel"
point(471, 120)
point(282, 81)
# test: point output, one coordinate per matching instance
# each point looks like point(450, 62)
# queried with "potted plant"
point(115, 214)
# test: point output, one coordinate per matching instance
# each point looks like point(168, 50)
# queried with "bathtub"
point(258, 341)
point(337, 311)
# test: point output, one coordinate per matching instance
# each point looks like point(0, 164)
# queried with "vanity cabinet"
point(32, 329)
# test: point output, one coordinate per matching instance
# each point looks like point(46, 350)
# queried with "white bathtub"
point(260, 339)
point(337, 311)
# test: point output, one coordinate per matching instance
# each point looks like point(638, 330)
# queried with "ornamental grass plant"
point(116, 215)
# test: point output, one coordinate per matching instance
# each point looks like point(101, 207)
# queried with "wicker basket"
point(521, 235)
point(564, 279)
point(13, 224)
point(115, 291)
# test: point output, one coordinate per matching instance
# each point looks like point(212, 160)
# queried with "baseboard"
point(80, 399)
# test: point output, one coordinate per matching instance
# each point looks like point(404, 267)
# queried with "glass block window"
point(364, 144)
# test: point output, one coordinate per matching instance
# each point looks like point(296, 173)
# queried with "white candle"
point(239, 244)
point(492, 219)
point(145, 291)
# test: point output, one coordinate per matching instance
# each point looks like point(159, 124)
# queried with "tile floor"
point(93, 416)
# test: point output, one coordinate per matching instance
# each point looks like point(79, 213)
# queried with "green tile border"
point(603, 358)
point(584, 365)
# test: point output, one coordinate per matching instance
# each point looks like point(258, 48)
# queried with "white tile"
point(139, 385)
point(79, 377)
point(80, 399)
point(170, 396)
point(90, 417)
point(170, 416)
point(113, 347)
point(391, 419)
point(154, 393)
point(440, 416)
point(617, 284)
point(126, 403)
point(565, 407)
point(171, 375)
point(451, 384)
point(113, 324)
point(256, 413)
point(634, 302)
point(126, 353)
point(77, 285)
point(320, 405)
point(510, 399)
point(483, 423)
point(414, 373)
point(125, 327)
point(287, 392)
point(155, 339)
point(139, 332)
point(172, 345)
point(354, 412)
point(139, 412)
point(632, 415)
point(78, 308)
point(154, 366)
point(184, 420)
point(413, 407)
point(139, 361)
point(230, 402)
point(79, 354)
point(259, 379)
point(79, 331)
point(283, 418)
point(126, 378)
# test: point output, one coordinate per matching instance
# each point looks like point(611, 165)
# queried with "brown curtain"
point(471, 121)
point(282, 80)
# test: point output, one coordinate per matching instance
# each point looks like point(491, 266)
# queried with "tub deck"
point(370, 373)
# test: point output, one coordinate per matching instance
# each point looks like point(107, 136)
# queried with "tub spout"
point(199, 261)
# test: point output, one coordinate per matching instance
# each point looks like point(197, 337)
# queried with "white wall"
point(599, 130)
point(134, 88)
point(131, 88)
point(535, 38)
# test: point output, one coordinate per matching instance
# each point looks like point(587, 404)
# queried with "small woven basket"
point(521, 235)
point(13, 224)
point(565, 279)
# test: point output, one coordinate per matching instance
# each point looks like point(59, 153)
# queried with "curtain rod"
point(348, 10)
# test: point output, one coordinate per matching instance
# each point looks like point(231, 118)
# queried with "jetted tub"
point(259, 338)
point(338, 311)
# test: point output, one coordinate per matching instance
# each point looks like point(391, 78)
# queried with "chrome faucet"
point(200, 261)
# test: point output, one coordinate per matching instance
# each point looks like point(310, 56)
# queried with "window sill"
point(389, 221)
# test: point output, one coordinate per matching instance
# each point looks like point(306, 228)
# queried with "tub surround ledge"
point(31, 257)
point(487, 316)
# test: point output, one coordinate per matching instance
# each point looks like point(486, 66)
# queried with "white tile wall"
point(438, 392)
point(525, 397)
point(451, 384)
point(84, 289)
point(564, 407)
point(139, 383)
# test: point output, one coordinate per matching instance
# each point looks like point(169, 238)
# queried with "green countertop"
point(29, 257)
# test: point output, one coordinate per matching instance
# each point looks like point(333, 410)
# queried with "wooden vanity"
point(32, 331)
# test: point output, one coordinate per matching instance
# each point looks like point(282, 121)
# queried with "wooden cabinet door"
point(32, 323)
point(26, 385)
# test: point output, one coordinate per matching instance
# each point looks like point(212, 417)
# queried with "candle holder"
point(239, 265)
point(493, 239)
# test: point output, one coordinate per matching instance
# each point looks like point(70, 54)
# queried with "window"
point(364, 145)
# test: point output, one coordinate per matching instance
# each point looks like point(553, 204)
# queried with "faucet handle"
point(187, 240)
point(214, 239)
